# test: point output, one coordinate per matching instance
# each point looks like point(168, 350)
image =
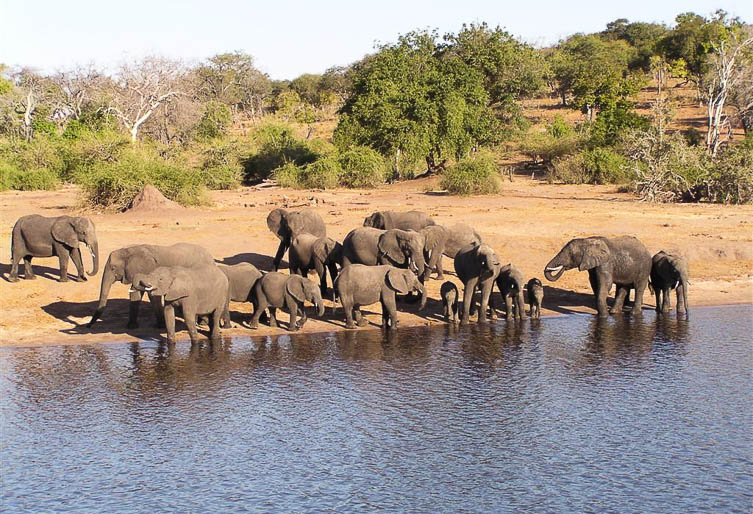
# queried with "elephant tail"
point(651, 287)
point(334, 300)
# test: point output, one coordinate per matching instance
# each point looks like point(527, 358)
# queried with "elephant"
point(309, 252)
point(535, 293)
point(277, 290)
point(40, 236)
point(286, 225)
point(459, 236)
point(358, 284)
point(198, 291)
point(400, 248)
point(623, 260)
point(477, 266)
point(449, 294)
point(386, 220)
point(669, 271)
point(124, 264)
point(510, 282)
point(435, 239)
point(241, 280)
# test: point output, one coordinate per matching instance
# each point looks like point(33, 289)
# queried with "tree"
point(416, 99)
point(34, 90)
point(731, 48)
point(233, 79)
point(76, 88)
point(140, 88)
point(640, 35)
point(307, 87)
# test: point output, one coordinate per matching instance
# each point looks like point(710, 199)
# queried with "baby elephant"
point(277, 290)
point(669, 271)
point(359, 285)
point(309, 252)
point(510, 283)
point(197, 291)
point(449, 294)
point(535, 292)
point(241, 280)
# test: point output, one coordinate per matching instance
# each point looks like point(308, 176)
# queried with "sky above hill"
point(291, 37)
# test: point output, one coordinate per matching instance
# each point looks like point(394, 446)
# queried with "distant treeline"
point(427, 103)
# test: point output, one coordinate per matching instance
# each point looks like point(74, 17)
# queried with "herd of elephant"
point(394, 253)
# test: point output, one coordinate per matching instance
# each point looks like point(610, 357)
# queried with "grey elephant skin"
point(198, 291)
point(535, 294)
point(399, 248)
point(287, 225)
point(40, 236)
point(358, 285)
point(449, 294)
point(669, 271)
point(623, 261)
point(321, 254)
point(241, 278)
point(477, 266)
point(460, 236)
point(277, 290)
point(511, 283)
point(410, 220)
point(435, 240)
point(124, 264)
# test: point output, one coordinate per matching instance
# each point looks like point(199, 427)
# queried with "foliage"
point(223, 176)
point(613, 120)
point(559, 127)
point(361, 167)
point(289, 175)
point(215, 121)
point(730, 178)
point(324, 173)
point(27, 180)
point(640, 35)
point(595, 166)
point(277, 145)
point(544, 148)
point(474, 175)
point(233, 79)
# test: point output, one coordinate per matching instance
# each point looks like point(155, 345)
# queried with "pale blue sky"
point(288, 38)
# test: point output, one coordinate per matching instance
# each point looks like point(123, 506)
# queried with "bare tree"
point(140, 88)
point(233, 79)
point(35, 89)
point(727, 61)
point(76, 88)
point(741, 97)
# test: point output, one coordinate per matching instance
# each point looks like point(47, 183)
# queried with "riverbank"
point(526, 224)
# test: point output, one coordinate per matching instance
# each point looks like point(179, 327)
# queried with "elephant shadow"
point(114, 319)
point(262, 262)
point(559, 300)
point(40, 271)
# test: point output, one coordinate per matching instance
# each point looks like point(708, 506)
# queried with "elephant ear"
point(64, 232)
point(396, 279)
point(294, 287)
point(434, 237)
point(179, 288)
point(594, 253)
point(139, 262)
point(323, 248)
point(275, 222)
point(389, 246)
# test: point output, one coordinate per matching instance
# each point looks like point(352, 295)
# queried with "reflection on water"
point(572, 413)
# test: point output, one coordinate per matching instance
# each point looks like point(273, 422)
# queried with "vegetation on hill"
point(450, 104)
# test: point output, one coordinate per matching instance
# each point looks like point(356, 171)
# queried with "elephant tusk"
point(132, 290)
point(555, 269)
point(162, 300)
point(148, 288)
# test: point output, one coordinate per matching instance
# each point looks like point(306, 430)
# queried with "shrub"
point(27, 180)
point(221, 177)
point(477, 174)
point(114, 185)
point(596, 166)
point(289, 175)
point(570, 169)
point(559, 127)
point(730, 178)
point(322, 174)
point(277, 146)
point(544, 148)
point(91, 149)
point(362, 167)
point(40, 152)
point(215, 121)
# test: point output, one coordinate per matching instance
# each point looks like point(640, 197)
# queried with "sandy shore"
point(526, 224)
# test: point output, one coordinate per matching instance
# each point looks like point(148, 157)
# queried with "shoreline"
point(526, 224)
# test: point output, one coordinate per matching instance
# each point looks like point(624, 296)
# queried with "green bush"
point(559, 127)
point(322, 174)
point(477, 174)
point(27, 180)
point(114, 185)
point(730, 178)
point(215, 121)
point(596, 166)
point(289, 175)
point(221, 177)
point(277, 145)
point(362, 167)
point(90, 149)
point(544, 148)
point(40, 152)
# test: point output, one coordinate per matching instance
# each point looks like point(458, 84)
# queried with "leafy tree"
point(215, 121)
point(233, 79)
point(640, 35)
point(686, 42)
point(419, 98)
point(307, 87)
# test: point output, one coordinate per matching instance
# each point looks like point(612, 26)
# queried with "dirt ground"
point(526, 224)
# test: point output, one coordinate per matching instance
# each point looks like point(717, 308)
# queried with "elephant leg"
point(446, 311)
point(440, 270)
point(217, 315)
point(226, 315)
point(332, 267)
point(28, 270)
point(273, 317)
point(189, 318)
point(657, 294)
point(640, 288)
point(509, 307)
point(619, 299)
point(280, 252)
point(348, 310)
point(601, 286)
point(681, 307)
point(63, 260)
point(666, 305)
point(76, 257)
point(486, 291)
point(133, 309)
point(520, 306)
point(260, 305)
point(292, 306)
point(360, 320)
point(170, 322)
point(159, 313)
point(468, 291)
point(389, 311)
point(15, 260)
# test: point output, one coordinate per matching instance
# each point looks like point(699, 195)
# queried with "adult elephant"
point(477, 266)
point(459, 236)
point(287, 225)
point(125, 263)
point(400, 248)
point(387, 220)
point(624, 261)
point(40, 236)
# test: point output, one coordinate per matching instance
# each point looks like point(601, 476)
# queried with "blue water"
point(566, 414)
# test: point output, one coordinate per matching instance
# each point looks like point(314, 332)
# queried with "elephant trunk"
point(421, 289)
point(108, 278)
point(94, 248)
point(319, 308)
point(684, 285)
point(554, 269)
